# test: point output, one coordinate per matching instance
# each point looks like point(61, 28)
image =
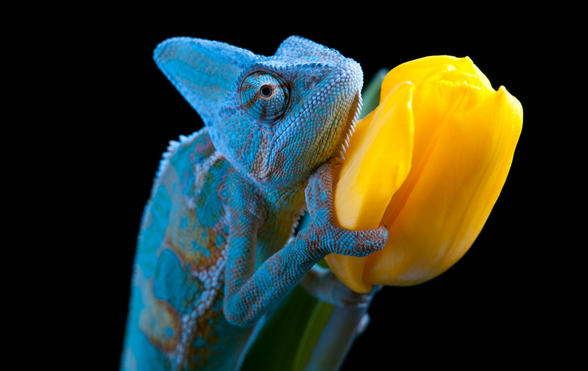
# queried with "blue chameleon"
point(217, 247)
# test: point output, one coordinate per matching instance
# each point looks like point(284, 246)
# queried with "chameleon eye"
point(264, 96)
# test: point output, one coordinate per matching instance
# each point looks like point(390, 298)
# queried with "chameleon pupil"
point(265, 91)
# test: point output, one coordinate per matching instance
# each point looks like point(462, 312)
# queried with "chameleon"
point(218, 244)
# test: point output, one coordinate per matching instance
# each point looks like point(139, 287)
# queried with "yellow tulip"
point(429, 163)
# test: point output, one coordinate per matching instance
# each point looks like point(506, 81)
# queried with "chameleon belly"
point(177, 293)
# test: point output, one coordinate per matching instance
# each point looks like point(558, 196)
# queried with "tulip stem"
point(344, 325)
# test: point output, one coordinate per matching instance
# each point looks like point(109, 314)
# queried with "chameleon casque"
point(216, 249)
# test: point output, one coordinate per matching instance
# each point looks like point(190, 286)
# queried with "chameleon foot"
point(323, 234)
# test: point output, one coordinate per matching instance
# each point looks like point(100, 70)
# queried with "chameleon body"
point(216, 248)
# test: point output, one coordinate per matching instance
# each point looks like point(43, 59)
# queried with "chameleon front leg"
point(249, 294)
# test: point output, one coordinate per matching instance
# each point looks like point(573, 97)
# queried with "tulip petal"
point(378, 161)
point(443, 92)
point(461, 171)
point(416, 70)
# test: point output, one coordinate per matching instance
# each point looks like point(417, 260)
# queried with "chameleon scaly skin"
point(215, 249)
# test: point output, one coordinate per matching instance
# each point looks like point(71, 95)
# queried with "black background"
point(490, 308)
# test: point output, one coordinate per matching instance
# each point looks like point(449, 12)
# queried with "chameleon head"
point(274, 118)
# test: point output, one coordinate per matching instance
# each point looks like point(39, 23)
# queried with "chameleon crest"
point(216, 250)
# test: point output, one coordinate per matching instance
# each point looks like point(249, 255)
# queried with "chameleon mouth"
point(349, 127)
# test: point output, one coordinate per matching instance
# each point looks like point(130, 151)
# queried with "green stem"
point(337, 336)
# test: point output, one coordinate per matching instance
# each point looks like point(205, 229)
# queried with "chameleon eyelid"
point(264, 95)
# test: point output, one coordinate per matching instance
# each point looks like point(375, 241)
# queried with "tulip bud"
point(429, 163)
